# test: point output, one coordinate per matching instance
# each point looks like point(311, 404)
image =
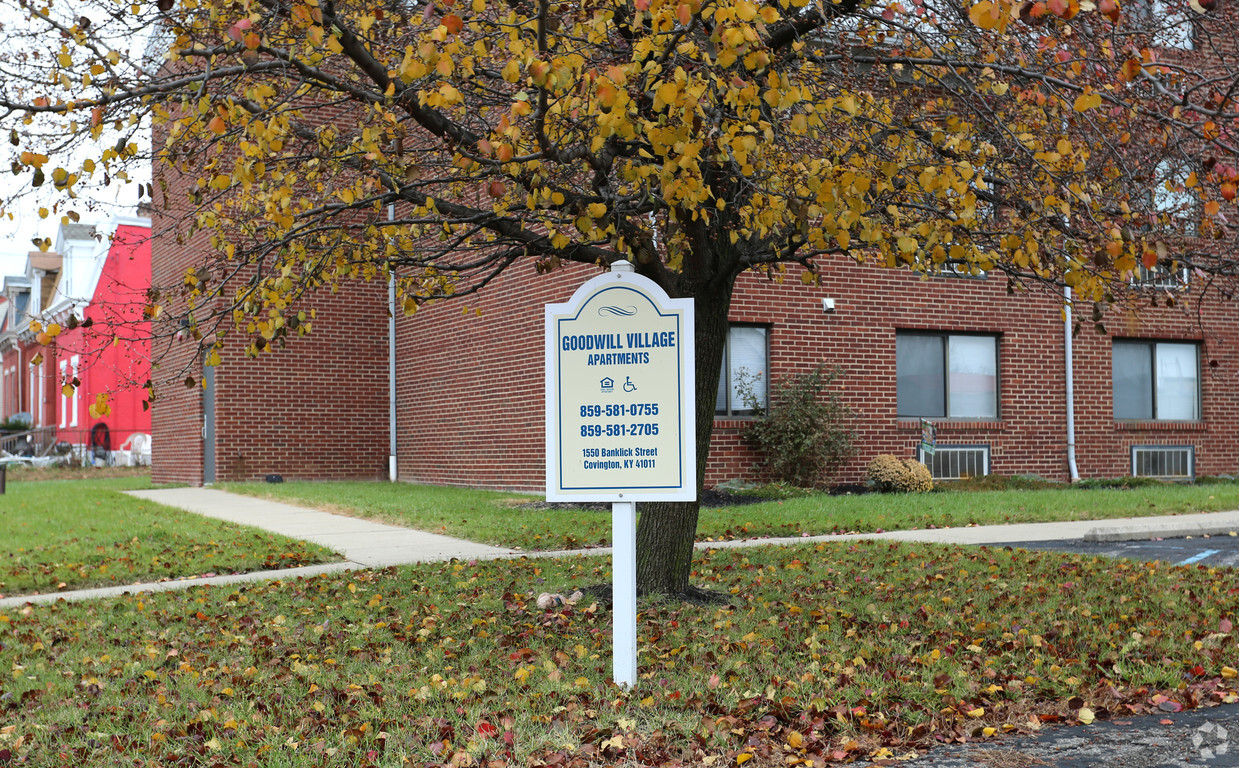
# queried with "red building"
point(28, 388)
point(93, 286)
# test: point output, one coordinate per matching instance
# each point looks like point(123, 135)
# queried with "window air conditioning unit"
point(957, 462)
point(1165, 462)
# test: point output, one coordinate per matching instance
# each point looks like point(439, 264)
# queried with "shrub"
point(1120, 482)
point(889, 473)
point(996, 482)
point(17, 423)
point(804, 437)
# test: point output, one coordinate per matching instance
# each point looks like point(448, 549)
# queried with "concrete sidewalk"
point(366, 544)
point(1118, 529)
point(363, 542)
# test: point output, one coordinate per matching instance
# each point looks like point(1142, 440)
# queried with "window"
point(959, 268)
point(1156, 380)
point(1170, 193)
point(64, 400)
point(745, 367)
point(1160, 277)
point(1166, 25)
point(35, 399)
point(953, 376)
point(73, 364)
point(1171, 198)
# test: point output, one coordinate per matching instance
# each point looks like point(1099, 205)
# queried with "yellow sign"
point(620, 394)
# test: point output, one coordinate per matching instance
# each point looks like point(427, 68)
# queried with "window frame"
point(729, 411)
point(946, 373)
point(1160, 279)
point(1152, 345)
point(64, 399)
point(74, 362)
point(1153, 18)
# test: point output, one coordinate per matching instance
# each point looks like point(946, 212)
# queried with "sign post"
point(621, 417)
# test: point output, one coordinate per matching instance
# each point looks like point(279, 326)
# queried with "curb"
point(283, 574)
point(1150, 532)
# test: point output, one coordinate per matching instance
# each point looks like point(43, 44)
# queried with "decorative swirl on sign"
point(620, 311)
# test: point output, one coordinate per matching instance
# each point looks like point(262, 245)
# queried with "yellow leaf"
point(597, 210)
point(1087, 101)
point(795, 740)
point(100, 407)
point(985, 14)
point(53, 330)
point(67, 390)
point(1086, 715)
point(978, 712)
point(666, 94)
point(1229, 672)
point(743, 758)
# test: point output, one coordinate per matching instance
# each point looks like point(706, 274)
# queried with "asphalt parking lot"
point(1210, 551)
point(1202, 738)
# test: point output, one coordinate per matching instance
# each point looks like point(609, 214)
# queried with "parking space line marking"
point(1198, 557)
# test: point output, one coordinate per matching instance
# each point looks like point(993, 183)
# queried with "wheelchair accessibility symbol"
point(628, 385)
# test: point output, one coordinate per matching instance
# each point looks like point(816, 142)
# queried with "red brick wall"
point(470, 383)
point(471, 386)
point(176, 413)
point(316, 409)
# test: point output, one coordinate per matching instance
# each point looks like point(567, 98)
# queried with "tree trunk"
point(667, 531)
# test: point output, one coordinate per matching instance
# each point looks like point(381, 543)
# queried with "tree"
point(444, 141)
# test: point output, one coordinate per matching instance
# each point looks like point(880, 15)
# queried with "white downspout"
point(1071, 407)
point(391, 362)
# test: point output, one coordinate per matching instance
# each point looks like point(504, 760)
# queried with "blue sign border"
point(679, 380)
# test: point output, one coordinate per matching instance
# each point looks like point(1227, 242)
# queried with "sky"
point(94, 206)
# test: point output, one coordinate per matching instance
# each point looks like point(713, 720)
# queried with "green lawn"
point(513, 520)
point(70, 534)
point(835, 651)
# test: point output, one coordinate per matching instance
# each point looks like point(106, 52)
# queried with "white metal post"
point(624, 592)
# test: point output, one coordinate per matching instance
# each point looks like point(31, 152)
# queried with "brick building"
point(987, 368)
point(316, 410)
point(1154, 394)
